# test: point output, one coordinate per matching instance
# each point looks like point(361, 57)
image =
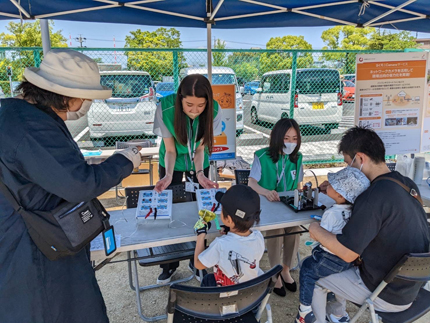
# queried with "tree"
point(245, 64)
point(284, 58)
point(24, 35)
point(219, 57)
point(352, 38)
point(391, 41)
point(156, 63)
point(29, 34)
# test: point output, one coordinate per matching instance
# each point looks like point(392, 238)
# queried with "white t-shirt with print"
point(236, 258)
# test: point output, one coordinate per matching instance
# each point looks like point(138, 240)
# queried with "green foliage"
point(157, 63)
point(391, 41)
point(245, 64)
point(352, 38)
point(283, 60)
point(29, 34)
point(219, 58)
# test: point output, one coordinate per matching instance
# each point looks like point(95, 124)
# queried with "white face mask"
point(353, 163)
point(75, 115)
point(289, 148)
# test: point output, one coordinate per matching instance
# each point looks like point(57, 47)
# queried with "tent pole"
point(46, 42)
point(209, 50)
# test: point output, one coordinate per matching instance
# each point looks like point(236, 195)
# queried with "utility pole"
point(81, 40)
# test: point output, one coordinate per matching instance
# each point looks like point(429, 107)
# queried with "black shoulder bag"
point(65, 230)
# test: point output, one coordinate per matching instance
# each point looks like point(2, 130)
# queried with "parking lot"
point(314, 147)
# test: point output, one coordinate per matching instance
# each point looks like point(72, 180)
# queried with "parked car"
point(130, 110)
point(348, 91)
point(165, 88)
point(349, 77)
point(317, 99)
point(222, 75)
point(251, 87)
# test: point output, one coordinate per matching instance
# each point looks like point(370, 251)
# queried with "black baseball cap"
point(241, 201)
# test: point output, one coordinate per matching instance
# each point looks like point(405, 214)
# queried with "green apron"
point(184, 154)
point(281, 176)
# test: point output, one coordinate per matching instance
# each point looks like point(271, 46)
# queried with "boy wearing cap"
point(344, 187)
point(235, 255)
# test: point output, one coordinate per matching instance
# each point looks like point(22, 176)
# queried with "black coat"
point(43, 167)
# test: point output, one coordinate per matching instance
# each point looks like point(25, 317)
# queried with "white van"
point(130, 110)
point(221, 75)
point(317, 101)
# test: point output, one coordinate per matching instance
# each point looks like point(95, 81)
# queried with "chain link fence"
point(316, 88)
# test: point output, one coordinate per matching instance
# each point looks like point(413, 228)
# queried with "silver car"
point(130, 110)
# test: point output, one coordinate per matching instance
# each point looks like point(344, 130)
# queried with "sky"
point(102, 34)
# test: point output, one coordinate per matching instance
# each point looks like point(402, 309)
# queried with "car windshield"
point(166, 86)
point(127, 86)
point(348, 84)
point(223, 79)
point(317, 81)
point(253, 84)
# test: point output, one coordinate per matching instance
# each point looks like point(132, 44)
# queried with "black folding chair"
point(242, 176)
point(157, 255)
point(412, 267)
point(228, 304)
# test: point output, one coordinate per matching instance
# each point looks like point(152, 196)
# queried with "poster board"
point(150, 202)
point(391, 97)
point(225, 144)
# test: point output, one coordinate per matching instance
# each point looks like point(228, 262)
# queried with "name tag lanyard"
point(282, 175)
point(191, 147)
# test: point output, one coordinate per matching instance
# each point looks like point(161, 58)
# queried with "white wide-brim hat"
point(69, 73)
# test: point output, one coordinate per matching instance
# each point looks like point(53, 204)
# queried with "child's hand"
point(224, 229)
point(204, 229)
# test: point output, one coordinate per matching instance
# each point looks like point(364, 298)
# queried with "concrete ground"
point(120, 299)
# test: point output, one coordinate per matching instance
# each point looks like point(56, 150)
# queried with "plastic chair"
point(242, 176)
point(412, 267)
point(227, 304)
point(157, 255)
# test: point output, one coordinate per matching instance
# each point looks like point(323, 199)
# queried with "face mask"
point(192, 115)
point(75, 115)
point(353, 163)
point(289, 148)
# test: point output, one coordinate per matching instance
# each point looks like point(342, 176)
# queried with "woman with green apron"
point(187, 121)
point(278, 168)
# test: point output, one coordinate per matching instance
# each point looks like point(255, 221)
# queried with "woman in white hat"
point(42, 166)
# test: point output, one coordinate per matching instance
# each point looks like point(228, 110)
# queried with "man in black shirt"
point(386, 223)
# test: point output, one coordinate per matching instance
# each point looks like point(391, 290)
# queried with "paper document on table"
point(206, 200)
point(97, 243)
point(154, 205)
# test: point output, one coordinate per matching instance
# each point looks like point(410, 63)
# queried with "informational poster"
point(225, 144)
point(391, 97)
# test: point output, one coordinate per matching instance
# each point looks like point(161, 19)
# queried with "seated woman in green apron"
point(187, 121)
point(278, 168)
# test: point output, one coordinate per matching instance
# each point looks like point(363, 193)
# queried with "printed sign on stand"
point(391, 97)
point(225, 144)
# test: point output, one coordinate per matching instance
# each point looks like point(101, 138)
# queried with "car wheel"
point(239, 132)
point(254, 116)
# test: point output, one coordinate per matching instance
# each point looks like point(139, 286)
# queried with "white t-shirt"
point(256, 170)
point(335, 218)
point(236, 258)
point(161, 130)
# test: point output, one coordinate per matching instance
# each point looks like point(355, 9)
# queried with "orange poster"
point(391, 97)
point(225, 143)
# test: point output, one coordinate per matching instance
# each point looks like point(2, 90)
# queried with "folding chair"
point(158, 255)
point(227, 304)
point(412, 267)
point(242, 176)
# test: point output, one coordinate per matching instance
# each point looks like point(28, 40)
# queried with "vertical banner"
point(391, 97)
point(225, 144)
